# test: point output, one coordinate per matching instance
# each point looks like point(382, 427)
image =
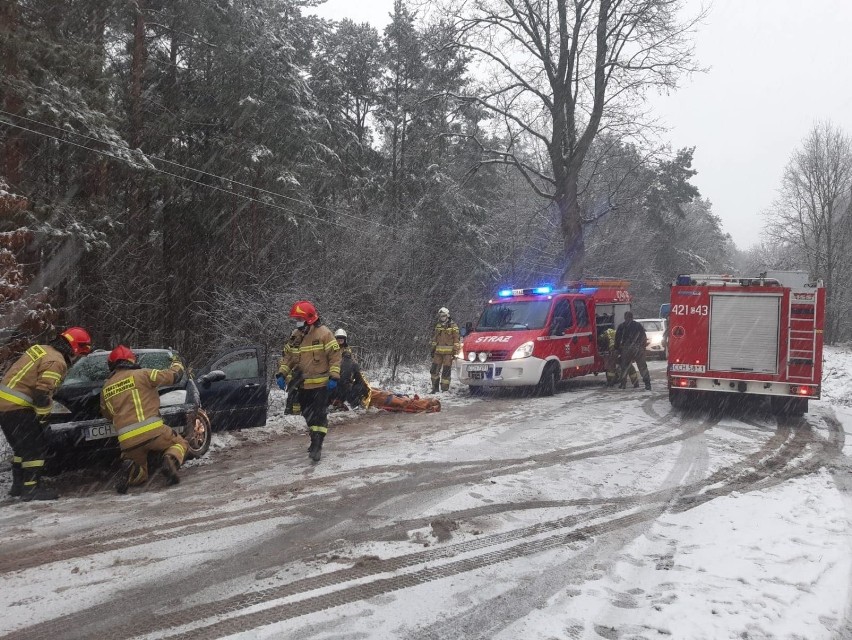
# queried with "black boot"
point(434, 386)
point(32, 489)
point(17, 479)
point(170, 467)
point(122, 478)
point(313, 435)
point(647, 385)
point(316, 454)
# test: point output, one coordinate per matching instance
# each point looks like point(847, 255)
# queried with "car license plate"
point(99, 432)
point(477, 367)
point(688, 368)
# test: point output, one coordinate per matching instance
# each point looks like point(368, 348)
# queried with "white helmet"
point(340, 333)
point(443, 311)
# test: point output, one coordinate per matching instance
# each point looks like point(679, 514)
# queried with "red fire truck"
point(538, 336)
point(758, 336)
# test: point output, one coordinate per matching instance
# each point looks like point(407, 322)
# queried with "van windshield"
point(514, 316)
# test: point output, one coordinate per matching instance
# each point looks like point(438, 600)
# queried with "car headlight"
point(524, 351)
point(483, 356)
point(656, 341)
point(471, 356)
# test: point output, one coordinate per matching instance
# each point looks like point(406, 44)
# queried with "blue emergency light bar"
point(537, 291)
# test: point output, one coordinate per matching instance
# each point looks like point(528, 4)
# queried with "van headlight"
point(524, 351)
point(471, 356)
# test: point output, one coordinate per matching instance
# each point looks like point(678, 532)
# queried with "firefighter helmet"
point(79, 339)
point(443, 312)
point(305, 311)
point(340, 333)
point(119, 354)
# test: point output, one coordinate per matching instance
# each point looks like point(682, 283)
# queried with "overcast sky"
point(776, 66)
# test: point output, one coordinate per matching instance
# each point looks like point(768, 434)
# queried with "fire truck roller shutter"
point(744, 332)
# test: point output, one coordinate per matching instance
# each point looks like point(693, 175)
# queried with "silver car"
point(656, 330)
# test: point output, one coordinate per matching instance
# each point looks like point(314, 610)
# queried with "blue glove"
point(282, 383)
point(332, 384)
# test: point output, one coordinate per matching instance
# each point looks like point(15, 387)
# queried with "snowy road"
point(593, 514)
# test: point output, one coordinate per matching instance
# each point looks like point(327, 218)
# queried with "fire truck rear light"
point(801, 390)
point(683, 382)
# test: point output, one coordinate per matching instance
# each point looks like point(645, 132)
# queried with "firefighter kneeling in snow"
point(130, 399)
point(352, 387)
point(446, 343)
point(317, 360)
point(26, 397)
point(612, 360)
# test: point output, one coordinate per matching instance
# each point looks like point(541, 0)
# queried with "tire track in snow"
point(238, 603)
point(414, 476)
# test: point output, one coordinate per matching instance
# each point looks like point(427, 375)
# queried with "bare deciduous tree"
point(556, 73)
point(813, 212)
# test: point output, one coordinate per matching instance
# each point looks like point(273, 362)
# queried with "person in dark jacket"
point(630, 341)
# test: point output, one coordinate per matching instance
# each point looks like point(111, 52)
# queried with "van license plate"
point(477, 367)
point(99, 432)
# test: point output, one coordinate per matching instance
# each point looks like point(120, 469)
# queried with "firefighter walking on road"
point(130, 399)
point(446, 343)
point(26, 398)
point(316, 362)
point(630, 340)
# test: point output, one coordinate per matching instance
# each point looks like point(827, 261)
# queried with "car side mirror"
point(214, 376)
point(466, 329)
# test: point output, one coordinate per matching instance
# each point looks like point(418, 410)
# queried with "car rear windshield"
point(513, 316)
point(93, 368)
point(652, 325)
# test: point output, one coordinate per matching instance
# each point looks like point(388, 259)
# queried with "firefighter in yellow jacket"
point(315, 362)
point(26, 397)
point(291, 406)
point(129, 398)
point(446, 343)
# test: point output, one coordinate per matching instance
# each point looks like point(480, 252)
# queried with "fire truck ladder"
point(801, 338)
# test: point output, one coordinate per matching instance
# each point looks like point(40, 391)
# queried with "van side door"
point(558, 342)
point(581, 350)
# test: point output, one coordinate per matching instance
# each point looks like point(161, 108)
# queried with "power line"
point(188, 168)
point(180, 177)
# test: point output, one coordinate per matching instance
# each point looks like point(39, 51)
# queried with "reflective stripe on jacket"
point(31, 381)
point(130, 399)
point(317, 356)
point(446, 339)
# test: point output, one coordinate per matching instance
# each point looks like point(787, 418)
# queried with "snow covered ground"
point(594, 514)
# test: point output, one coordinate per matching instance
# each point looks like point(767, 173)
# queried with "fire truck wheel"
point(783, 406)
point(547, 385)
point(678, 399)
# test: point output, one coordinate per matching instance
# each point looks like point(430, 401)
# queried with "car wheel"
point(547, 384)
point(198, 436)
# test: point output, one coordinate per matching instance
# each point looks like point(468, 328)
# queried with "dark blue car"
point(229, 393)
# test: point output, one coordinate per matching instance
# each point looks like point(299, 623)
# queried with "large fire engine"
point(538, 336)
point(759, 336)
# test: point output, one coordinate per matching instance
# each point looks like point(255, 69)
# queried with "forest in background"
point(179, 172)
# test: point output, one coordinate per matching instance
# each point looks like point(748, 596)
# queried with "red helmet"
point(304, 310)
point(79, 339)
point(121, 353)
